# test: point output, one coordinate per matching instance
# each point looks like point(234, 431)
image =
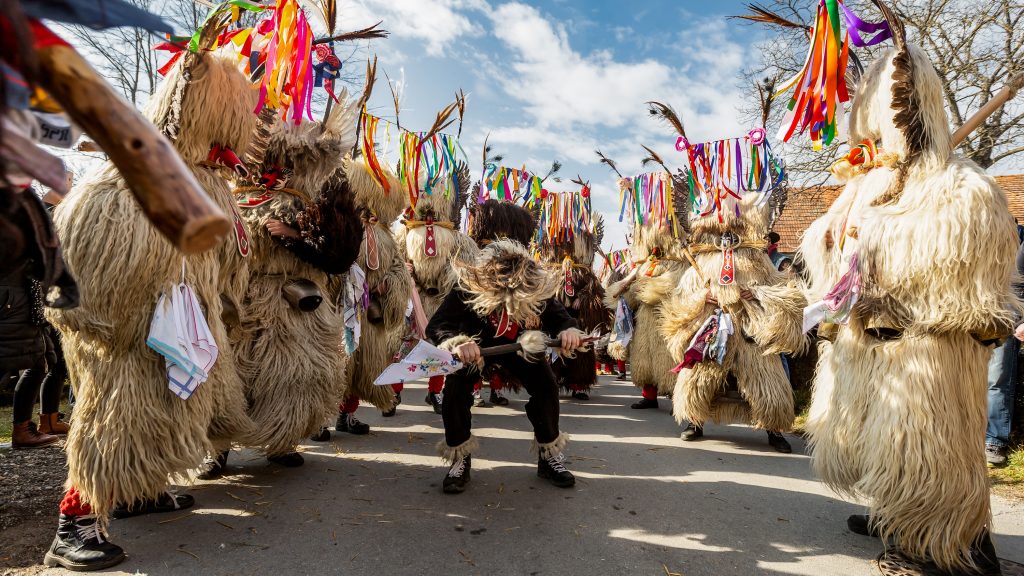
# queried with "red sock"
point(479, 384)
point(398, 387)
point(435, 384)
point(72, 504)
point(621, 365)
point(349, 405)
point(650, 392)
point(496, 382)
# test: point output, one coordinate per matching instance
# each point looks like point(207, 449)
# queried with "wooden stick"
point(164, 187)
point(997, 101)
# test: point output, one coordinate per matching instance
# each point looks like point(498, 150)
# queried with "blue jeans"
point(1002, 383)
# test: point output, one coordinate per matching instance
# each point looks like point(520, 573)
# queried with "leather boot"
point(81, 546)
point(25, 435)
point(52, 424)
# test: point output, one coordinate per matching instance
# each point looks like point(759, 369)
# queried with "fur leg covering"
point(695, 392)
point(915, 409)
point(452, 453)
point(649, 358)
point(762, 382)
point(550, 449)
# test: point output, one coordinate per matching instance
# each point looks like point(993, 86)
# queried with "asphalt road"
point(644, 503)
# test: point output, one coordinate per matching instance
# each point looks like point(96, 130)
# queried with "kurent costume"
point(912, 267)
point(501, 294)
point(290, 352)
point(659, 263)
point(733, 313)
point(429, 239)
point(389, 285)
point(568, 246)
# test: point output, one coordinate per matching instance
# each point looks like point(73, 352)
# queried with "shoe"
point(581, 395)
point(390, 413)
point(289, 460)
point(52, 424)
point(779, 442)
point(324, 435)
point(347, 422)
point(644, 404)
point(622, 377)
point(25, 435)
point(434, 401)
point(553, 470)
point(983, 552)
point(166, 502)
point(498, 398)
point(478, 400)
point(213, 468)
point(458, 476)
point(81, 546)
point(861, 524)
point(995, 455)
point(692, 432)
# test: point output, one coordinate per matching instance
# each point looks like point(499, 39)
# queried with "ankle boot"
point(52, 424)
point(81, 546)
point(25, 435)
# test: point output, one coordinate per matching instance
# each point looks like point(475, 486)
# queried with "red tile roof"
point(805, 206)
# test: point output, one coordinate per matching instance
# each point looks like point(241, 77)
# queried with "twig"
point(187, 552)
point(176, 518)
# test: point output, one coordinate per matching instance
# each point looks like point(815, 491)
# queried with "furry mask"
point(494, 220)
point(504, 276)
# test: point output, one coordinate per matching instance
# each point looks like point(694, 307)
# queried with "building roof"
point(804, 207)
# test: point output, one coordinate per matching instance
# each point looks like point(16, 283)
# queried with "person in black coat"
point(500, 296)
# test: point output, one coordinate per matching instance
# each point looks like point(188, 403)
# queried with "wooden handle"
point(997, 101)
point(164, 187)
point(509, 348)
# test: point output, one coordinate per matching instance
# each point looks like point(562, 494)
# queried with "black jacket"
point(455, 317)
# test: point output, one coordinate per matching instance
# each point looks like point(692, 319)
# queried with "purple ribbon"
point(855, 26)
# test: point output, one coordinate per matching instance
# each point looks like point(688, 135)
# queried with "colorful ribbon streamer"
point(647, 199)
point(563, 215)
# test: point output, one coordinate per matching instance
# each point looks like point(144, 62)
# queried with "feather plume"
point(653, 156)
point(765, 16)
point(260, 140)
point(396, 98)
point(765, 90)
point(444, 119)
point(329, 10)
point(368, 33)
point(556, 166)
point(904, 93)
point(609, 162)
point(460, 103)
point(665, 113)
point(371, 79)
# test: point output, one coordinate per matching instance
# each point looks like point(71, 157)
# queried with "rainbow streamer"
point(437, 156)
point(722, 172)
point(515, 185)
point(368, 148)
point(647, 199)
point(817, 103)
point(284, 55)
point(563, 215)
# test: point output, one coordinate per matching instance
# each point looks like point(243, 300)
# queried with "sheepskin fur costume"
point(383, 323)
point(582, 295)
point(292, 360)
point(436, 217)
point(765, 326)
point(899, 407)
point(660, 263)
point(130, 431)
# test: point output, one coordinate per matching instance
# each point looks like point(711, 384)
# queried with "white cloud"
point(437, 23)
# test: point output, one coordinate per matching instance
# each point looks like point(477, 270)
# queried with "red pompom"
point(586, 192)
point(543, 192)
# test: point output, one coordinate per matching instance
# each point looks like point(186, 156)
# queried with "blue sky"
point(557, 79)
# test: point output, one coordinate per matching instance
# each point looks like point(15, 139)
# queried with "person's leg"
point(81, 543)
point(542, 410)
point(347, 421)
point(1002, 382)
point(25, 434)
point(434, 387)
point(458, 445)
point(51, 392)
point(398, 387)
point(649, 400)
point(497, 385)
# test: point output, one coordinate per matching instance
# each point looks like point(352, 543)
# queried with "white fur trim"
point(550, 449)
point(452, 453)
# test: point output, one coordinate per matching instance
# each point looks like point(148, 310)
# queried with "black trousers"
point(537, 379)
point(45, 381)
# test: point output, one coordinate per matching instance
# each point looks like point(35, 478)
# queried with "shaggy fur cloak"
point(291, 360)
point(899, 407)
point(130, 432)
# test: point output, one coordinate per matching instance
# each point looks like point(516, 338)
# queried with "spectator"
point(1002, 384)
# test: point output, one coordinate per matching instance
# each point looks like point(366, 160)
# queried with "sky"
point(557, 79)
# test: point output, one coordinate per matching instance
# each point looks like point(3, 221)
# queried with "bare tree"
point(975, 47)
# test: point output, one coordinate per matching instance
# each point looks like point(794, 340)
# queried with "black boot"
point(434, 401)
point(553, 470)
point(166, 502)
point(324, 435)
point(622, 377)
point(984, 554)
point(580, 395)
point(289, 460)
point(692, 432)
point(861, 524)
point(80, 546)
point(458, 476)
point(497, 398)
point(779, 442)
point(214, 467)
point(348, 422)
point(644, 404)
